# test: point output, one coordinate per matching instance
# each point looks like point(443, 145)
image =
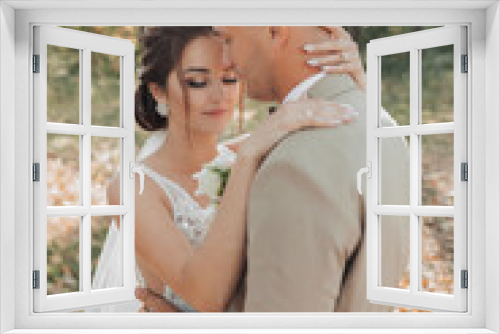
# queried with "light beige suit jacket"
point(306, 220)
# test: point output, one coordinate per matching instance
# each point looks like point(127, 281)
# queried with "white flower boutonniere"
point(212, 179)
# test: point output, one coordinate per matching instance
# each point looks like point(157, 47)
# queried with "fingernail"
point(309, 47)
point(313, 62)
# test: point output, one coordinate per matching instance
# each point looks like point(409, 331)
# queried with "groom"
point(306, 246)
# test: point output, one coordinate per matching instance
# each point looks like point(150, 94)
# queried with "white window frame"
point(413, 44)
point(17, 19)
point(124, 50)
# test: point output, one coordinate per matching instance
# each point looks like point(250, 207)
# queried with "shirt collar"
point(303, 87)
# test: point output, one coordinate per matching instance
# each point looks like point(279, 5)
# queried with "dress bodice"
point(188, 215)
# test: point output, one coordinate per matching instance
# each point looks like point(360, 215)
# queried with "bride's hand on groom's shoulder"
point(339, 55)
point(290, 117)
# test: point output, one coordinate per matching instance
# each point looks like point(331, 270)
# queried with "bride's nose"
point(217, 91)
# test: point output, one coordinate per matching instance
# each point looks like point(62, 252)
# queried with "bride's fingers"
point(145, 296)
point(336, 114)
point(341, 68)
point(333, 31)
point(330, 46)
point(149, 299)
point(327, 114)
point(337, 32)
point(336, 59)
point(141, 293)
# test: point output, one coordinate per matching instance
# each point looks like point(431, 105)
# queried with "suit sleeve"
point(303, 223)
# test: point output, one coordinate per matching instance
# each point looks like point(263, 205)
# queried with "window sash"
point(413, 42)
point(85, 43)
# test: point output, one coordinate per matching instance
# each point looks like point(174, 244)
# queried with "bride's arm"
point(147, 296)
point(206, 276)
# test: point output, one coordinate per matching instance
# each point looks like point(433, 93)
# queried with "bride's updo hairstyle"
point(162, 50)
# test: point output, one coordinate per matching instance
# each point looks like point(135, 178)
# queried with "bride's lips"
point(215, 112)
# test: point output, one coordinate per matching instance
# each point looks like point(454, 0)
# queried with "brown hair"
point(163, 48)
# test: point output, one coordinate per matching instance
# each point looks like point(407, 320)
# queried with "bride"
point(190, 88)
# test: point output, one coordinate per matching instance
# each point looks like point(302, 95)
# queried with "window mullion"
point(414, 170)
point(85, 236)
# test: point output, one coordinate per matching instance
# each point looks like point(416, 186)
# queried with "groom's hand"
point(153, 302)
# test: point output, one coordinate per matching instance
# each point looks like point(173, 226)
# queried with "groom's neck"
point(290, 63)
point(288, 79)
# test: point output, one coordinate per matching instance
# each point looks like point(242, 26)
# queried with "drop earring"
point(162, 109)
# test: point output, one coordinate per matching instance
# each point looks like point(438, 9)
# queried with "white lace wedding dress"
point(189, 216)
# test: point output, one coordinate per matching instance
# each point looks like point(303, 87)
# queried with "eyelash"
point(203, 84)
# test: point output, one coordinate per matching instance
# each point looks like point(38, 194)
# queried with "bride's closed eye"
point(203, 83)
point(230, 81)
point(196, 84)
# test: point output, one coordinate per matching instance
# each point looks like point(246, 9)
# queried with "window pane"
point(390, 150)
point(105, 89)
point(105, 168)
point(107, 253)
point(437, 254)
point(63, 255)
point(437, 169)
point(63, 88)
point(63, 170)
point(395, 88)
point(437, 84)
point(394, 252)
